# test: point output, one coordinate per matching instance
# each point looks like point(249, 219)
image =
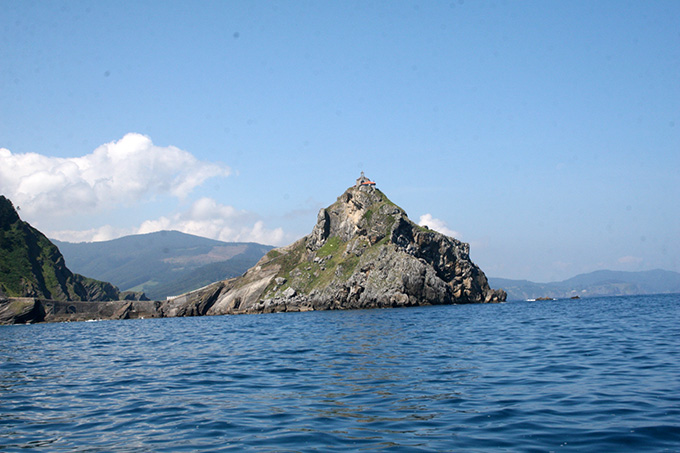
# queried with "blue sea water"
point(587, 375)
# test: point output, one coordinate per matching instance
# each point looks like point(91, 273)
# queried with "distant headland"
point(363, 252)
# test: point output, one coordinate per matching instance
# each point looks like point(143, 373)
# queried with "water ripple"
point(594, 374)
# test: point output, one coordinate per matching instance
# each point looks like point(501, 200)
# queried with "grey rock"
point(31, 310)
point(363, 252)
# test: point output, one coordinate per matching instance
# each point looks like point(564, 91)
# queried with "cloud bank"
point(437, 225)
point(117, 173)
point(123, 174)
point(206, 217)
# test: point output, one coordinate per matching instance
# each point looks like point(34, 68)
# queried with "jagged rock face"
point(363, 252)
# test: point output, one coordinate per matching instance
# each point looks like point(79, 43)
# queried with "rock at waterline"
point(363, 252)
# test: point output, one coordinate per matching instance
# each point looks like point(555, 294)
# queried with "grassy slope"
point(160, 263)
point(305, 276)
point(31, 265)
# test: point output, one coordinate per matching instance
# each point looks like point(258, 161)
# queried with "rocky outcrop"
point(363, 252)
point(24, 310)
point(20, 310)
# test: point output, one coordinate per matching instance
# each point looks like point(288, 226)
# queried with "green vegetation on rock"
point(363, 252)
point(32, 266)
point(332, 245)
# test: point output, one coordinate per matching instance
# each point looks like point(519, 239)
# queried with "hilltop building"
point(364, 181)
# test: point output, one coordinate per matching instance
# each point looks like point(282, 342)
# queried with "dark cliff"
point(32, 266)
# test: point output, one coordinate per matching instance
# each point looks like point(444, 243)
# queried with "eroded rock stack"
point(363, 252)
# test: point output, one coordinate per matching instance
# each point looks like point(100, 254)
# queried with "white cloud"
point(437, 225)
point(103, 233)
point(208, 218)
point(630, 260)
point(117, 173)
point(205, 217)
point(122, 174)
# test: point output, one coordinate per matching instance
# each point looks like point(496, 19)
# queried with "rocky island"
point(363, 252)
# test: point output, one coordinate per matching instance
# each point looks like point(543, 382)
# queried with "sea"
point(599, 374)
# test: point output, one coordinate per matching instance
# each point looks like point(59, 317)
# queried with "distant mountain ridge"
point(594, 284)
point(164, 263)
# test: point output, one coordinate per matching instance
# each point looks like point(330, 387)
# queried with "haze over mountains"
point(170, 263)
point(161, 264)
point(594, 284)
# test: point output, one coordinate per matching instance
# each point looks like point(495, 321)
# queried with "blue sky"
point(545, 134)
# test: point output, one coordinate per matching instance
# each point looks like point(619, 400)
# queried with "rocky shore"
point(23, 310)
point(363, 252)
